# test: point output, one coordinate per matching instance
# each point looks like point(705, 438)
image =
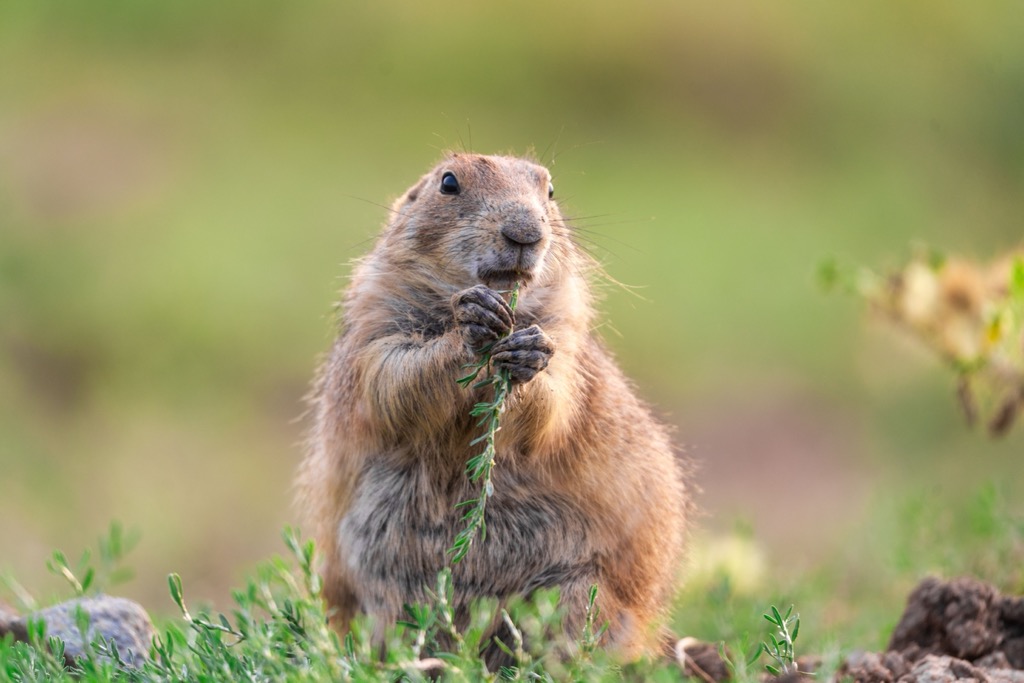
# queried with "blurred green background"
point(182, 185)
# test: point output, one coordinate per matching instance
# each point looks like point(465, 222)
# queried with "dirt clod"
point(883, 667)
point(961, 618)
point(962, 629)
point(701, 660)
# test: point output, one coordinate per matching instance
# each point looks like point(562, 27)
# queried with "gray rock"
point(120, 620)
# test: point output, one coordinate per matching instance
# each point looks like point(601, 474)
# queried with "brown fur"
point(587, 488)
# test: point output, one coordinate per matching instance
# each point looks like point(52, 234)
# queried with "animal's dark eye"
point(551, 191)
point(450, 184)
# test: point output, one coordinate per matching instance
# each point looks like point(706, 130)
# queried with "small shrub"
point(971, 315)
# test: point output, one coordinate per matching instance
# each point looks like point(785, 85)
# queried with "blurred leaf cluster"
point(972, 316)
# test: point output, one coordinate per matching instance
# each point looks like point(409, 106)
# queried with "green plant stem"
point(781, 648)
point(480, 467)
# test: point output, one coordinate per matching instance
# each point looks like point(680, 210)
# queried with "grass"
point(276, 628)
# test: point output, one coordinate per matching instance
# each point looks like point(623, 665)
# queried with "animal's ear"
point(414, 192)
point(410, 196)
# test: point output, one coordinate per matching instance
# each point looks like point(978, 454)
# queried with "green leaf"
point(35, 629)
point(936, 258)
point(82, 621)
point(174, 581)
point(503, 647)
point(224, 622)
point(90, 574)
point(58, 559)
point(1017, 279)
point(463, 381)
point(56, 646)
point(828, 274)
point(448, 657)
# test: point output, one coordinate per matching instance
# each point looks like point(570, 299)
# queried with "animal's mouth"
point(503, 269)
point(503, 278)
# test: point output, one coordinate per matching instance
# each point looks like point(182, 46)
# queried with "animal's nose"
point(520, 225)
point(521, 232)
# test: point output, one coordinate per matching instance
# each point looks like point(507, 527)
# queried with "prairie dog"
point(587, 488)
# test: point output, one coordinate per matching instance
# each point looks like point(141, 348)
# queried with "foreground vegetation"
point(277, 629)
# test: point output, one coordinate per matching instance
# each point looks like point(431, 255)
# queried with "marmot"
point(586, 488)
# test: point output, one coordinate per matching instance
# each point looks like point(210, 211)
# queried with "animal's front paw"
point(482, 315)
point(523, 353)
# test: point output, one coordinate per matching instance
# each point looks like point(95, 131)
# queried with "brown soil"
point(962, 629)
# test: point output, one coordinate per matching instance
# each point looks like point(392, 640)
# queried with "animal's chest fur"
point(394, 538)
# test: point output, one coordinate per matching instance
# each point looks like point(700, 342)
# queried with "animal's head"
point(489, 219)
